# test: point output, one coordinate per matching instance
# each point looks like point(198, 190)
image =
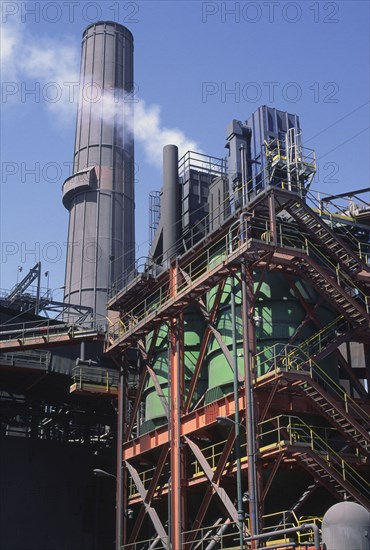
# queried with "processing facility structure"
point(229, 373)
point(251, 318)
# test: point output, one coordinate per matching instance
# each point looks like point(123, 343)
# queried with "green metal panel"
point(193, 334)
point(280, 315)
point(220, 374)
point(154, 413)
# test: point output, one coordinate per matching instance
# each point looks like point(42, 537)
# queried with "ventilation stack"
point(100, 193)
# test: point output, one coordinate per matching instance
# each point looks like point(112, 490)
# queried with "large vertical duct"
point(171, 202)
point(100, 193)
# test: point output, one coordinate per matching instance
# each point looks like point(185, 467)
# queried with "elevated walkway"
point(40, 334)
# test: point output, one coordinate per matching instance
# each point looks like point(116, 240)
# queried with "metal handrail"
point(215, 255)
point(294, 358)
point(299, 433)
point(95, 375)
point(312, 345)
point(48, 329)
point(206, 261)
point(325, 213)
point(140, 266)
point(212, 453)
point(207, 534)
point(302, 243)
point(41, 358)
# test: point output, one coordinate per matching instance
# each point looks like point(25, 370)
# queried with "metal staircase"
point(303, 498)
point(348, 298)
point(295, 364)
point(24, 284)
point(290, 516)
point(323, 342)
point(353, 431)
point(324, 235)
point(326, 466)
point(334, 480)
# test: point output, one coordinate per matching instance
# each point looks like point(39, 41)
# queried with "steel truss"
point(166, 465)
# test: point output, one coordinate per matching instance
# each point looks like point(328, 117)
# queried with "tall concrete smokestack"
point(100, 193)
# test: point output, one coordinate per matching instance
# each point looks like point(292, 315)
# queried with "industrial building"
point(230, 371)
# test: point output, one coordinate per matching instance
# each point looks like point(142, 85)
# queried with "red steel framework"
point(258, 241)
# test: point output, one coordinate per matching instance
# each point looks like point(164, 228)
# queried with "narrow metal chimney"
point(171, 202)
point(100, 193)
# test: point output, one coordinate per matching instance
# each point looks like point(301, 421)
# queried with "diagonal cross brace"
point(204, 345)
point(159, 390)
point(215, 332)
point(218, 336)
point(151, 511)
point(225, 499)
point(216, 476)
point(224, 348)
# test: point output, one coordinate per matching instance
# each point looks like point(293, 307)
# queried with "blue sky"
point(198, 65)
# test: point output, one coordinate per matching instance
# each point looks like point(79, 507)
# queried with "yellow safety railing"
point(221, 251)
point(316, 342)
point(308, 536)
point(277, 149)
point(287, 429)
point(297, 359)
point(145, 476)
point(106, 378)
point(212, 454)
point(319, 254)
point(286, 519)
point(208, 260)
point(226, 533)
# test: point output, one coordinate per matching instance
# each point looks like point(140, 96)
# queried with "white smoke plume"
point(146, 124)
point(38, 69)
point(38, 62)
point(154, 136)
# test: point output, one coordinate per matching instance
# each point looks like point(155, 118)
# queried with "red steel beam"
point(176, 383)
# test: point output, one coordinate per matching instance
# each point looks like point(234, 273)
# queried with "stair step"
point(345, 426)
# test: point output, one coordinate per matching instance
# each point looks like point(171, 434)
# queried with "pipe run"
point(304, 527)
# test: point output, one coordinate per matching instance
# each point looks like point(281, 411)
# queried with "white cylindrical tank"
point(346, 526)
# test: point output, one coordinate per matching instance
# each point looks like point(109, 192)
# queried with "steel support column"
point(119, 481)
point(249, 403)
point(272, 216)
point(176, 376)
point(237, 416)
